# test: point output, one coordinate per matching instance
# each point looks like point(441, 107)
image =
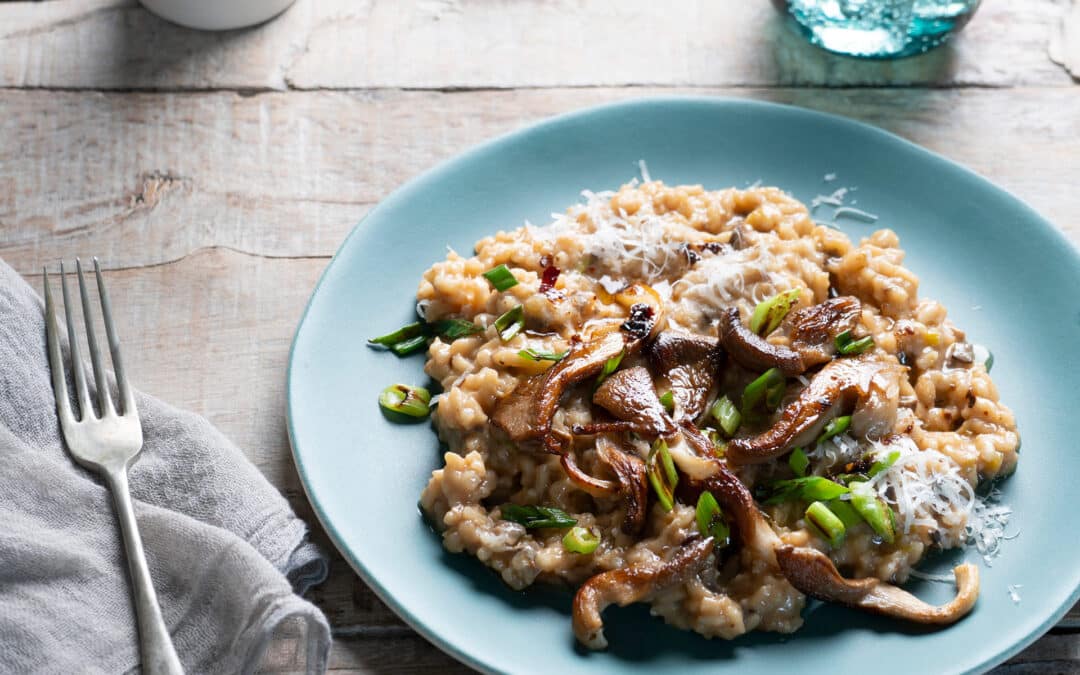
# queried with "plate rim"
point(642, 102)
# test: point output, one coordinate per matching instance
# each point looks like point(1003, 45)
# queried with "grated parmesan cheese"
point(625, 245)
point(834, 199)
point(1014, 593)
point(857, 214)
point(643, 168)
point(925, 489)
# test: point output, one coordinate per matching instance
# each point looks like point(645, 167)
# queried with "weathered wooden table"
point(215, 174)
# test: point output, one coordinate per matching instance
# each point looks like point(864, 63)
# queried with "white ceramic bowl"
point(216, 14)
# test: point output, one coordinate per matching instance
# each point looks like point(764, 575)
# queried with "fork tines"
point(104, 403)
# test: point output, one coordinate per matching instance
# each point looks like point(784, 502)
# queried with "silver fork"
point(108, 444)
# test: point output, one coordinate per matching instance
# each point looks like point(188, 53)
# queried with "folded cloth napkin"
point(226, 552)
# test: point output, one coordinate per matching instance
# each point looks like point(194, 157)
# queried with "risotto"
point(706, 402)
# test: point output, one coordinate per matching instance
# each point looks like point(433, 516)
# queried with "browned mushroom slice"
point(528, 411)
point(814, 329)
point(597, 487)
point(813, 573)
point(632, 584)
point(751, 528)
point(752, 351)
point(837, 386)
point(629, 395)
point(691, 364)
point(629, 470)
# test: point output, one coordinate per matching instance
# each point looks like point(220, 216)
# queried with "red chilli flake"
point(547, 282)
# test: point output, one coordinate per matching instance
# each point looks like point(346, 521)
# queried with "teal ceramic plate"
point(1006, 275)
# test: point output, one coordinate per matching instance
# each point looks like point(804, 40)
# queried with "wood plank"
point(318, 44)
point(148, 178)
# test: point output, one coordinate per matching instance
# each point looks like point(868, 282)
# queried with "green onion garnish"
point(413, 337)
point(610, 366)
point(769, 314)
point(799, 462)
point(400, 335)
point(710, 520)
point(835, 427)
point(501, 278)
point(873, 510)
point(411, 401)
point(580, 540)
point(849, 516)
point(726, 415)
point(883, 464)
point(762, 389)
point(826, 524)
point(533, 355)
point(510, 323)
point(662, 474)
point(453, 329)
point(807, 488)
point(406, 347)
point(533, 517)
point(668, 401)
point(846, 345)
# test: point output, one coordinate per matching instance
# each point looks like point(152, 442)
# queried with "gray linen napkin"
point(222, 543)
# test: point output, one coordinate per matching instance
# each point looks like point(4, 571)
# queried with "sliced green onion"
point(501, 278)
point(453, 329)
point(883, 464)
point(400, 335)
point(533, 355)
point(769, 314)
point(983, 355)
point(580, 540)
point(849, 516)
point(406, 347)
point(826, 524)
point(662, 474)
point(411, 401)
point(510, 323)
point(835, 427)
point(808, 488)
point(533, 517)
point(726, 415)
point(411, 338)
point(758, 390)
point(610, 366)
point(846, 345)
point(799, 462)
point(668, 401)
point(710, 520)
point(873, 510)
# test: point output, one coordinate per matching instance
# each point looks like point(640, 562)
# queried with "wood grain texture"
point(447, 44)
point(150, 178)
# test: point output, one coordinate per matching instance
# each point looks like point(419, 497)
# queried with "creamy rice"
point(702, 252)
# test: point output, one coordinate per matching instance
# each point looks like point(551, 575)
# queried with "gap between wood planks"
point(199, 251)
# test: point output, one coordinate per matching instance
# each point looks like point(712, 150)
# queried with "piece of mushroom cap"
point(642, 324)
point(754, 352)
point(814, 329)
point(813, 573)
point(691, 364)
point(631, 584)
point(840, 385)
point(630, 396)
point(633, 483)
point(528, 411)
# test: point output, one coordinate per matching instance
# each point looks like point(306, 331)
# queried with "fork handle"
point(158, 654)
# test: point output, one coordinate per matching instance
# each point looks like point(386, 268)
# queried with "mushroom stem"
point(631, 584)
point(813, 573)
